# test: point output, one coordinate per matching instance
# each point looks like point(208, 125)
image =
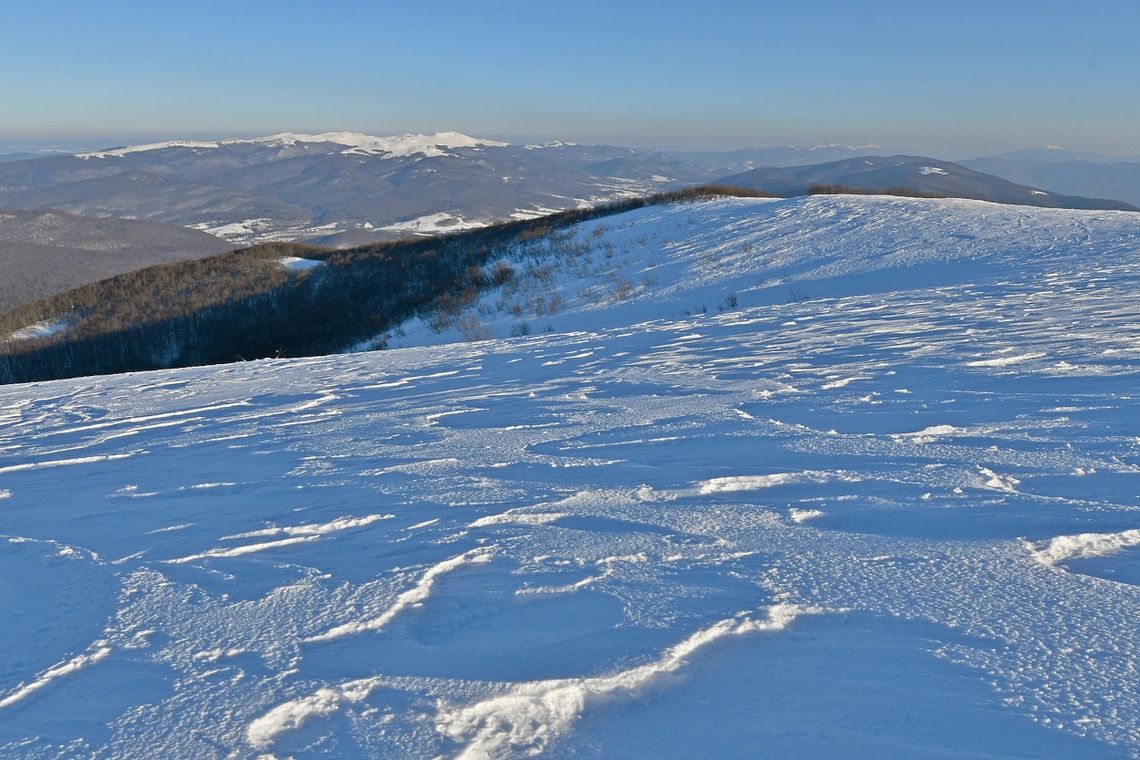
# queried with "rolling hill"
point(1068, 172)
point(43, 253)
point(276, 299)
point(876, 174)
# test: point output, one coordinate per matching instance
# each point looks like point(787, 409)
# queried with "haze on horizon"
point(960, 78)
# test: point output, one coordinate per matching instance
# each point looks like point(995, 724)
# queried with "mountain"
point(736, 161)
point(1054, 155)
point(22, 156)
point(1065, 172)
point(914, 174)
point(47, 252)
point(828, 476)
point(337, 188)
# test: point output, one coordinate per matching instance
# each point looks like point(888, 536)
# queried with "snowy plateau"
point(832, 476)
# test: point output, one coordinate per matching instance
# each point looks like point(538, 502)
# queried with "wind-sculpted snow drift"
point(835, 477)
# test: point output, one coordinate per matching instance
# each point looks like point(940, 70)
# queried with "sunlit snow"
point(859, 510)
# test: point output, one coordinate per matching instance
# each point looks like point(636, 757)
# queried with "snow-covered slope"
point(894, 517)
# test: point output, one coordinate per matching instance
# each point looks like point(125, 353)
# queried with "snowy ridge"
point(99, 652)
point(409, 598)
point(530, 716)
point(120, 152)
point(357, 143)
point(1085, 545)
point(292, 715)
point(562, 542)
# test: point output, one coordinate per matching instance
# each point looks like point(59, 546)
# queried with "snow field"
point(826, 526)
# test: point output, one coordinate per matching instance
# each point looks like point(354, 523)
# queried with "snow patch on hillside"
point(297, 264)
point(43, 329)
point(434, 224)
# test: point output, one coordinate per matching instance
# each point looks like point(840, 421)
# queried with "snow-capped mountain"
point(339, 188)
point(354, 143)
point(828, 476)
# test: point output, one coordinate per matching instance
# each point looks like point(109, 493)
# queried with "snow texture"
point(833, 476)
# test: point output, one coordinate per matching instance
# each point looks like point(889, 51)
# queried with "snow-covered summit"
point(435, 144)
point(120, 152)
point(356, 143)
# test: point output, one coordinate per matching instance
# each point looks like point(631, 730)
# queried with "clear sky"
point(959, 76)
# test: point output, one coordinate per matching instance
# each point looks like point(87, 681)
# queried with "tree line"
point(246, 305)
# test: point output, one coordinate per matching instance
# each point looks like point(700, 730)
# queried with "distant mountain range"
point(348, 188)
point(48, 252)
point(917, 174)
point(746, 159)
point(345, 189)
point(338, 188)
point(1065, 171)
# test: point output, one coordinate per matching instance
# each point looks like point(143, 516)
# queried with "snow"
point(431, 224)
point(44, 329)
point(1005, 361)
point(803, 515)
point(755, 482)
point(410, 598)
point(360, 144)
point(264, 230)
point(930, 434)
point(1086, 545)
point(654, 530)
point(120, 152)
point(932, 170)
point(530, 716)
point(99, 652)
point(297, 264)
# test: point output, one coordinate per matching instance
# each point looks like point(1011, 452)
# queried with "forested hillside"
point(277, 299)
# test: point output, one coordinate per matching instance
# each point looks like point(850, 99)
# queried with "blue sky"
point(954, 76)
